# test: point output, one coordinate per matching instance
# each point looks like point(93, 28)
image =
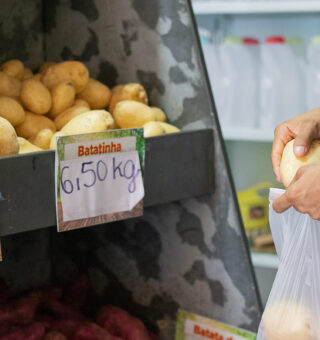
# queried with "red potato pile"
point(54, 313)
point(62, 99)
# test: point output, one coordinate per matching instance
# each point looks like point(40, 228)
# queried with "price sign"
point(99, 178)
point(195, 327)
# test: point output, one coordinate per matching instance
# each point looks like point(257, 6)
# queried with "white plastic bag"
point(293, 308)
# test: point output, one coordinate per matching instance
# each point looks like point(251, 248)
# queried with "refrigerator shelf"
point(234, 133)
point(254, 7)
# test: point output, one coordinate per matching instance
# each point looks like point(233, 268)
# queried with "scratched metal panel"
point(21, 31)
point(178, 167)
point(27, 192)
point(27, 196)
point(195, 250)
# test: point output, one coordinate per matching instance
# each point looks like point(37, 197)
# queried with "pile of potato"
point(62, 99)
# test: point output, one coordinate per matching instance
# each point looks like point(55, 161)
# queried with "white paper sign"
point(98, 185)
point(99, 178)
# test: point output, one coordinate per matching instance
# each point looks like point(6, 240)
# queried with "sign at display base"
point(99, 178)
point(195, 327)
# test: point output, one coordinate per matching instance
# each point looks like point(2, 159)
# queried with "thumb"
point(307, 133)
point(282, 203)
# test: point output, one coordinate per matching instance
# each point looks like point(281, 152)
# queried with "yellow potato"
point(132, 114)
point(35, 96)
point(37, 76)
point(8, 138)
point(11, 110)
point(132, 91)
point(81, 102)
point(290, 164)
point(32, 124)
point(96, 94)
point(73, 71)
point(9, 86)
point(91, 121)
point(53, 142)
point(13, 68)
point(160, 115)
point(27, 74)
point(69, 114)
point(153, 129)
point(62, 98)
point(26, 147)
point(116, 88)
point(46, 65)
point(168, 128)
point(42, 139)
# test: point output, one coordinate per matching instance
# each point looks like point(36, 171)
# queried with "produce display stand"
point(189, 249)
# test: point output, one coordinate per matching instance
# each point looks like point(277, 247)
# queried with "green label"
point(195, 327)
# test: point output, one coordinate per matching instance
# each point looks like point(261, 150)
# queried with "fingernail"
point(300, 150)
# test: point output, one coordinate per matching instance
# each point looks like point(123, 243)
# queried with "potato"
point(26, 147)
point(168, 128)
point(116, 89)
point(11, 110)
point(73, 71)
point(81, 102)
point(9, 86)
point(8, 138)
point(284, 320)
point(160, 115)
point(42, 139)
point(53, 335)
point(13, 68)
point(35, 96)
point(96, 94)
point(53, 142)
point(130, 91)
point(46, 65)
point(153, 129)
point(290, 164)
point(37, 76)
point(32, 124)
point(62, 98)
point(132, 114)
point(91, 121)
point(27, 74)
point(69, 114)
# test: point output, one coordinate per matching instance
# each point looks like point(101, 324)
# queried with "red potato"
point(20, 311)
point(35, 331)
point(51, 303)
point(67, 327)
point(62, 310)
point(91, 331)
point(76, 292)
point(54, 336)
point(119, 323)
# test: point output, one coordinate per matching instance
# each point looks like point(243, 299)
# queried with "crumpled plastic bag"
point(293, 308)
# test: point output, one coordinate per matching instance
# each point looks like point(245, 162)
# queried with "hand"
point(304, 128)
point(303, 193)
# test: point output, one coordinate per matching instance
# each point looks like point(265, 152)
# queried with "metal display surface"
point(27, 181)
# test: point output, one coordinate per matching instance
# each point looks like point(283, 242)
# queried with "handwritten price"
point(97, 171)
